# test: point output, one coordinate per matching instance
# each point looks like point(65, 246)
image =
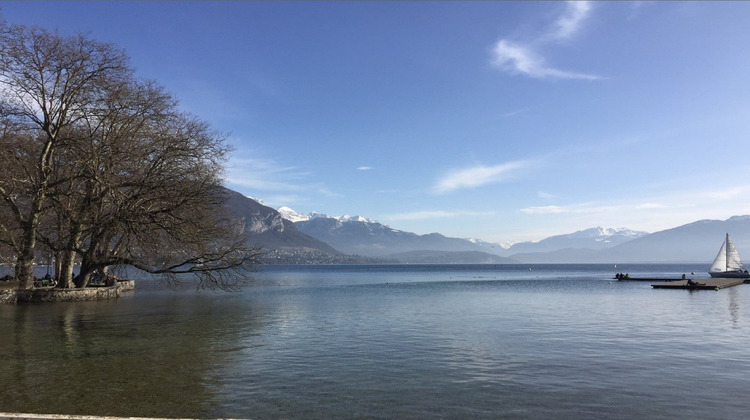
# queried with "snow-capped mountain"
point(697, 241)
point(310, 239)
point(597, 238)
point(490, 245)
point(347, 219)
point(295, 216)
point(600, 234)
point(367, 237)
point(292, 215)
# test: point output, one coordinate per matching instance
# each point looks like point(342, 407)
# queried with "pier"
point(651, 279)
point(700, 284)
point(27, 416)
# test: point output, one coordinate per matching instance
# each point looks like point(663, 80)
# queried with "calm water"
point(556, 341)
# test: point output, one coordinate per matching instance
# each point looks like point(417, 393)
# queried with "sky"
point(504, 121)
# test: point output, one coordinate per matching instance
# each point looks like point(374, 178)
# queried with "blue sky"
point(505, 121)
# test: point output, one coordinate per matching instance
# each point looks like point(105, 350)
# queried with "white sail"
point(720, 262)
point(728, 259)
point(734, 263)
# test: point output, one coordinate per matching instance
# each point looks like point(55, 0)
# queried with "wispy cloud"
point(364, 168)
point(478, 176)
point(648, 206)
point(436, 214)
point(519, 59)
point(544, 210)
point(570, 22)
point(582, 208)
point(729, 193)
point(515, 113)
point(647, 213)
point(516, 57)
point(545, 195)
point(263, 176)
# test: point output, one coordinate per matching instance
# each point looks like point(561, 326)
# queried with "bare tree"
point(104, 169)
point(46, 81)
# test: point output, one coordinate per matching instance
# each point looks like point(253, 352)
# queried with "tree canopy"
point(102, 169)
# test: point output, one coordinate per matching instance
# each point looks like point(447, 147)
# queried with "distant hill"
point(695, 242)
point(597, 238)
point(560, 256)
point(447, 257)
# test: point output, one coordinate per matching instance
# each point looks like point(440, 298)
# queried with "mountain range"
point(366, 237)
point(291, 237)
point(280, 240)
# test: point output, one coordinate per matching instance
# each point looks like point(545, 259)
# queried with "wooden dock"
point(701, 284)
point(27, 416)
point(651, 279)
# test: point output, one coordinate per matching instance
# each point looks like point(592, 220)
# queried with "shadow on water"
point(131, 357)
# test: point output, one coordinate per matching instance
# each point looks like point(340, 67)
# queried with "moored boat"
point(727, 263)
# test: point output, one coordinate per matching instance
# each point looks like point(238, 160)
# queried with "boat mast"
point(726, 253)
point(726, 262)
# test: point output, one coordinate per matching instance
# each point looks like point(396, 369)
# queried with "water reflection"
point(734, 306)
point(411, 343)
point(131, 357)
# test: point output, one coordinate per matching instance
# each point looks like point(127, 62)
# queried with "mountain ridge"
point(693, 242)
point(318, 238)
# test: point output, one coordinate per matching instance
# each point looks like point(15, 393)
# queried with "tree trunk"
point(65, 276)
point(58, 264)
point(65, 280)
point(84, 276)
point(25, 261)
point(25, 271)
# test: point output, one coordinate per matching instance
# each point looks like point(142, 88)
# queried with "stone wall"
point(126, 285)
point(7, 296)
point(66, 295)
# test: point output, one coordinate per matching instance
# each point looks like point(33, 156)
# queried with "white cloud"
point(729, 193)
point(647, 206)
point(544, 210)
point(582, 208)
point(521, 58)
point(659, 211)
point(545, 195)
point(256, 174)
point(477, 176)
point(436, 214)
point(262, 174)
point(281, 200)
point(570, 22)
point(364, 168)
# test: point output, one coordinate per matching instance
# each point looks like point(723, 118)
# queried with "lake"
point(464, 341)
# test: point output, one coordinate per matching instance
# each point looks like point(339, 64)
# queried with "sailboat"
point(728, 262)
